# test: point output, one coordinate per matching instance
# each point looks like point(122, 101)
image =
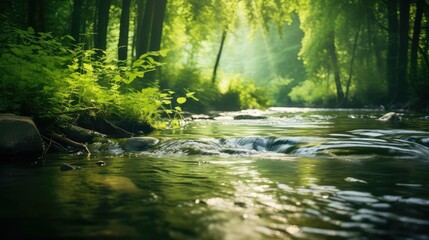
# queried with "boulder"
point(19, 138)
point(139, 143)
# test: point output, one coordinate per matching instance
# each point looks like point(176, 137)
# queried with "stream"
point(294, 173)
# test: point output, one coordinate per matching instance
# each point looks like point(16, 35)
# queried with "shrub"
point(42, 76)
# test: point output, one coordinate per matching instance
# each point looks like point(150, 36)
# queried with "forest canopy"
point(133, 58)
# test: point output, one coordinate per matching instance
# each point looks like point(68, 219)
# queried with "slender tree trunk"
point(334, 64)
point(392, 49)
point(123, 32)
point(415, 42)
point(36, 15)
point(219, 54)
point(76, 19)
point(144, 27)
point(404, 25)
point(374, 42)
point(351, 65)
point(102, 23)
point(157, 25)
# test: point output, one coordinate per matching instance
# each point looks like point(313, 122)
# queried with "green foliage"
point(311, 94)
point(233, 93)
point(280, 89)
point(181, 81)
point(243, 93)
point(44, 78)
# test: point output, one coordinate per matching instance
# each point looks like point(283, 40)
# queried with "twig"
point(70, 142)
point(118, 128)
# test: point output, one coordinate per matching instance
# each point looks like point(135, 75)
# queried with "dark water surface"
point(299, 174)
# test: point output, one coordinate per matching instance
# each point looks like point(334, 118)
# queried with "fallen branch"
point(70, 142)
point(49, 143)
point(118, 128)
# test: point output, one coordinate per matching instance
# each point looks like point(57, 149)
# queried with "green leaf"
point(181, 100)
point(88, 67)
point(175, 123)
point(166, 101)
point(163, 52)
point(117, 78)
point(179, 109)
point(18, 52)
point(191, 95)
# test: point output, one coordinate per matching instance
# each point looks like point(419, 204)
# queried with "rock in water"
point(139, 143)
point(19, 138)
point(249, 117)
point(390, 117)
point(101, 163)
point(118, 183)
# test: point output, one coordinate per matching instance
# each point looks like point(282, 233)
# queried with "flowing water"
point(298, 174)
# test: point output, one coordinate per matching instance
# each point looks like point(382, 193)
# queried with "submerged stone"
point(248, 117)
point(19, 138)
point(139, 143)
point(118, 183)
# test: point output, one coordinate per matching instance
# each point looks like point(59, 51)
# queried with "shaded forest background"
point(238, 54)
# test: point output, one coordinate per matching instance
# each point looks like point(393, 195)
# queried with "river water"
point(297, 174)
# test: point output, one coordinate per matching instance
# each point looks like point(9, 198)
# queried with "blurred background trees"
point(239, 54)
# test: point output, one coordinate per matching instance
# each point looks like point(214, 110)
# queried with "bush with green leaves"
point(311, 93)
point(43, 77)
point(187, 79)
point(241, 93)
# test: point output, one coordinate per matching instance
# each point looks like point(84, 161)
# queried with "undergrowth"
point(47, 78)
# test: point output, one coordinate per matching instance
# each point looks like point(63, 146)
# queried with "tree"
point(103, 7)
point(392, 48)
point(144, 26)
point(124, 31)
point(404, 26)
point(219, 54)
point(415, 42)
point(76, 20)
point(332, 54)
point(157, 25)
point(150, 25)
point(36, 15)
point(319, 20)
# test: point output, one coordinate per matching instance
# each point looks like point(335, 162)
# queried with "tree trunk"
point(102, 23)
point(351, 66)
point(157, 25)
point(76, 19)
point(415, 42)
point(123, 32)
point(144, 27)
point(334, 64)
point(36, 15)
point(392, 49)
point(219, 54)
point(404, 25)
